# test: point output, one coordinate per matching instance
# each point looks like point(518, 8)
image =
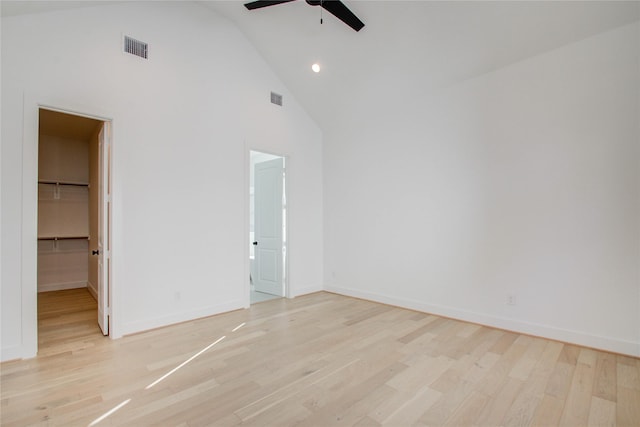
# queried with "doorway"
point(267, 227)
point(74, 209)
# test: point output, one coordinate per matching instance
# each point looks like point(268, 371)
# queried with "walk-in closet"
point(67, 209)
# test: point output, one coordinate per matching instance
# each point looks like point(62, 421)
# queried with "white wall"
point(523, 181)
point(183, 124)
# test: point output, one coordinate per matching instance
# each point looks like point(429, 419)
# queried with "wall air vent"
point(136, 47)
point(276, 99)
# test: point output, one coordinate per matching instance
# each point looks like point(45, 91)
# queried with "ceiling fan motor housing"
point(335, 7)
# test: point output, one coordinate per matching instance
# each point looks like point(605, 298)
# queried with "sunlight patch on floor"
point(109, 412)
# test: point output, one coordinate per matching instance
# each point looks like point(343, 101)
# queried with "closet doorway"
point(267, 227)
point(74, 210)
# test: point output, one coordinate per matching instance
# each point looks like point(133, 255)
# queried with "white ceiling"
point(406, 47)
point(22, 7)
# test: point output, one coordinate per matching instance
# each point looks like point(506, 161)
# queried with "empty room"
point(320, 213)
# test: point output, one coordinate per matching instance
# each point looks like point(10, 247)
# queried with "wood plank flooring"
point(317, 360)
point(67, 321)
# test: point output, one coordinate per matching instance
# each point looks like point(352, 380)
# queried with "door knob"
point(255, 243)
point(96, 252)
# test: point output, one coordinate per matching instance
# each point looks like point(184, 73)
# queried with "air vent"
point(276, 99)
point(136, 47)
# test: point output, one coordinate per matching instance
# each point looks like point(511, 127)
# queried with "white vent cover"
point(276, 99)
point(136, 47)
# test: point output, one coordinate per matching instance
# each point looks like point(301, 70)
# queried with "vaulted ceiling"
point(407, 48)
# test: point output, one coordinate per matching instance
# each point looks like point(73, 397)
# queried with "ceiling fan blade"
point(264, 3)
point(340, 11)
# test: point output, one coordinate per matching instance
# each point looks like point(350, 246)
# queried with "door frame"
point(29, 230)
point(286, 222)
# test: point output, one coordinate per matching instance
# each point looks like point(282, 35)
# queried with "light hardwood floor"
point(317, 360)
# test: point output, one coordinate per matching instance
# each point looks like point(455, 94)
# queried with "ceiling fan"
point(335, 7)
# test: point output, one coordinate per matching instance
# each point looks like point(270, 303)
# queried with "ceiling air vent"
point(136, 47)
point(276, 99)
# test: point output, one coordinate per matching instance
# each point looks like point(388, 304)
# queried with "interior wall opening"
point(267, 227)
point(70, 214)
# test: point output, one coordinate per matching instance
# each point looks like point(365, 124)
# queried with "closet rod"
point(77, 184)
point(64, 238)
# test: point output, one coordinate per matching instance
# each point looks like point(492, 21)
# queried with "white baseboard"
point(145, 325)
point(93, 290)
point(61, 286)
point(13, 352)
point(545, 331)
point(306, 290)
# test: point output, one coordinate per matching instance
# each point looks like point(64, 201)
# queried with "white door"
point(268, 239)
point(104, 152)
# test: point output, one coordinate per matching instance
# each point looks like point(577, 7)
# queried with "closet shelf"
point(63, 237)
point(53, 182)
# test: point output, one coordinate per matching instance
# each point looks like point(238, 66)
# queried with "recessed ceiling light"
point(315, 68)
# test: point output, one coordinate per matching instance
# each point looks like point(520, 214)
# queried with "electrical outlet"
point(511, 299)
